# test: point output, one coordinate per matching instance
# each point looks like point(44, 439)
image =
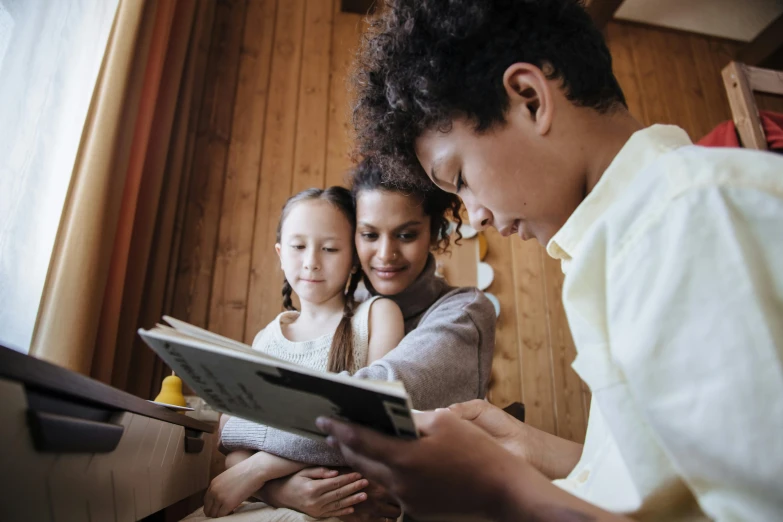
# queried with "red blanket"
point(725, 134)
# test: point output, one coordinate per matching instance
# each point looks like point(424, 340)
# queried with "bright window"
point(50, 57)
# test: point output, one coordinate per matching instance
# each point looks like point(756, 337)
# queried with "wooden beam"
point(766, 47)
point(601, 11)
point(743, 107)
point(764, 80)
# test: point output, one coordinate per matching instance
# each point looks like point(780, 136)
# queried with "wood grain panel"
point(620, 44)
point(536, 368)
point(313, 111)
point(570, 414)
point(264, 301)
point(721, 53)
point(181, 192)
point(506, 383)
point(460, 264)
point(192, 292)
point(710, 82)
point(654, 94)
point(345, 40)
point(694, 114)
point(228, 303)
point(670, 60)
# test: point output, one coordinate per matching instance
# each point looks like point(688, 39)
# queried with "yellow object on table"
point(171, 392)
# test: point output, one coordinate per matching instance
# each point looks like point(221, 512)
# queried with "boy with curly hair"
point(672, 254)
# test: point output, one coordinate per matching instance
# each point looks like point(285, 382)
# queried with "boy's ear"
point(530, 95)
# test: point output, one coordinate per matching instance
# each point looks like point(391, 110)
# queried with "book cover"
point(237, 380)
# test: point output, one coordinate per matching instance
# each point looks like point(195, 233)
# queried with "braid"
point(288, 304)
point(349, 301)
point(341, 351)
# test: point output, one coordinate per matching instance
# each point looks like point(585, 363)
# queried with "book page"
point(205, 335)
point(173, 332)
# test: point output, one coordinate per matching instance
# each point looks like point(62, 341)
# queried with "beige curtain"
point(93, 298)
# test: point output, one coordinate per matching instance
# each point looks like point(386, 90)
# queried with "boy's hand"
point(229, 489)
point(455, 468)
point(380, 506)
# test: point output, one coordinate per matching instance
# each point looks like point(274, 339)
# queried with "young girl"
point(315, 243)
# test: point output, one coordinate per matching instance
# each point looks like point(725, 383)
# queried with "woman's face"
point(392, 238)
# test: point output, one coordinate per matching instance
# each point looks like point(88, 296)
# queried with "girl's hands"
point(318, 492)
point(232, 487)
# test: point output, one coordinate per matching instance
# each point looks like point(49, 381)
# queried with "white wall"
point(735, 19)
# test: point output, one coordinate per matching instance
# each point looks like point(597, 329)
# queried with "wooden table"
point(73, 448)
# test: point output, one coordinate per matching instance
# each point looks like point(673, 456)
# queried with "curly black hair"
point(424, 62)
point(440, 206)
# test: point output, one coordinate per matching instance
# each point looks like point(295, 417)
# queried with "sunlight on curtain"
point(50, 57)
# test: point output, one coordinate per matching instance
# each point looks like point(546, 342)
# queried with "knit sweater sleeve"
point(242, 434)
point(447, 358)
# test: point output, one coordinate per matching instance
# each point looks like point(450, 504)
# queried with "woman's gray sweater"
point(444, 358)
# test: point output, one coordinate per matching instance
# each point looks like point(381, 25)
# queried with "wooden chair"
point(741, 81)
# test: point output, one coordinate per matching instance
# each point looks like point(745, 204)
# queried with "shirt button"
point(582, 477)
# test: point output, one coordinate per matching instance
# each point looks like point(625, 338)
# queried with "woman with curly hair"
point(673, 286)
point(445, 356)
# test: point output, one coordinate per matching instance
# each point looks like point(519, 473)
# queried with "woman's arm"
point(387, 328)
point(447, 358)
point(235, 457)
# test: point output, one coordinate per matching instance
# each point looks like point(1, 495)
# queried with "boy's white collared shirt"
point(674, 296)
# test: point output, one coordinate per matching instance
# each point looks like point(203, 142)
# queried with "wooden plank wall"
point(275, 118)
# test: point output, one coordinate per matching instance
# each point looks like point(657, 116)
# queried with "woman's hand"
point(551, 455)
point(318, 492)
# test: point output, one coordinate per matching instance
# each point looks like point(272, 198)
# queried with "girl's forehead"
point(315, 215)
point(311, 208)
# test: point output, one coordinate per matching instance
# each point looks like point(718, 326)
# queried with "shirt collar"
point(641, 149)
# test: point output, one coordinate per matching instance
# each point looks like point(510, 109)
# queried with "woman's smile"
point(389, 272)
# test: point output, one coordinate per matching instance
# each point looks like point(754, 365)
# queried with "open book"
point(235, 379)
